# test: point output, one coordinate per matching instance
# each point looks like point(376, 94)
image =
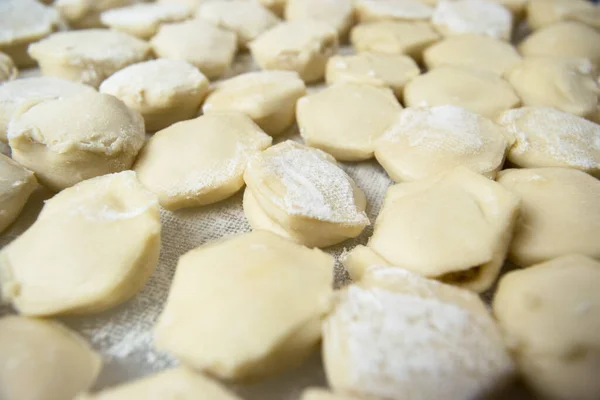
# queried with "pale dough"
point(303, 46)
point(549, 315)
point(64, 148)
point(560, 214)
point(201, 161)
point(16, 184)
point(301, 193)
point(426, 141)
point(392, 10)
point(8, 70)
point(472, 51)
point(564, 39)
point(43, 360)
point(164, 91)
point(276, 6)
point(566, 84)
point(478, 91)
point(483, 17)
point(143, 19)
point(393, 37)
point(178, 383)
point(23, 22)
point(358, 260)
point(337, 13)
point(268, 97)
point(547, 137)
point(383, 70)
point(323, 394)
point(542, 13)
point(247, 19)
point(210, 48)
point(399, 336)
point(346, 119)
point(21, 92)
point(88, 56)
point(96, 244)
point(226, 287)
point(83, 14)
point(455, 227)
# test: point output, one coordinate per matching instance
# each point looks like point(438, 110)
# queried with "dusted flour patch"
point(482, 17)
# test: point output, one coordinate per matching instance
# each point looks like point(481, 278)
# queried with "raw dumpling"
point(339, 14)
point(83, 14)
point(392, 10)
point(16, 185)
point(482, 17)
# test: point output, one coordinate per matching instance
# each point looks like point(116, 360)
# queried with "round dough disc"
point(16, 185)
point(337, 13)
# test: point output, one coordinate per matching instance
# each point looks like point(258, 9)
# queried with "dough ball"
point(482, 17)
point(301, 193)
point(547, 137)
point(478, 91)
point(201, 161)
point(8, 70)
point(542, 13)
point(560, 214)
point(208, 47)
point(566, 84)
point(322, 394)
point(88, 56)
point(164, 91)
point(417, 228)
point(16, 184)
point(346, 119)
point(143, 19)
point(472, 51)
point(339, 14)
point(21, 92)
point(84, 14)
point(64, 147)
point(303, 46)
point(549, 315)
point(564, 39)
point(393, 37)
point(426, 141)
point(383, 70)
point(398, 336)
point(96, 244)
point(23, 22)
point(208, 306)
point(43, 360)
point(177, 383)
point(247, 19)
point(392, 10)
point(268, 97)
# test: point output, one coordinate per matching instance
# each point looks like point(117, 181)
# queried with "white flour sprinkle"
point(473, 16)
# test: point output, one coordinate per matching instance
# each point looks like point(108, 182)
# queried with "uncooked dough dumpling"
point(96, 244)
point(274, 291)
point(426, 141)
point(21, 92)
point(392, 10)
point(383, 70)
point(23, 22)
point(143, 19)
point(339, 14)
point(16, 184)
point(550, 319)
point(177, 383)
point(346, 119)
point(566, 84)
point(482, 17)
point(399, 336)
point(88, 56)
point(8, 70)
point(83, 14)
point(472, 51)
point(164, 91)
point(70, 139)
point(268, 97)
point(201, 161)
point(417, 228)
point(247, 19)
point(547, 137)
point(208, 47)
point(301, 193)
point(43, 360)
point(560, 214)
point(394, 37)
point(542, 13)
point(564, 39)
point(481, 92)
point(303, 46)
